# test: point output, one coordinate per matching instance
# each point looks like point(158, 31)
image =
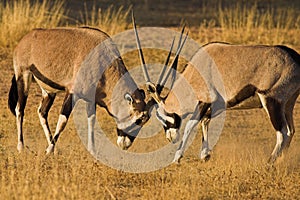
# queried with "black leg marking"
point(67, 106)
point(43, 111)
point(46, 104)
point(13, 95)
point(275, 112)
point(200, 111)
point(64, 116)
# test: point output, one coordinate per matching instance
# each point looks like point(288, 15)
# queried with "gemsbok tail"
point(13, 95)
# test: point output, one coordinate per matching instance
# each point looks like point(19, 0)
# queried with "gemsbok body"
point(85, 64)
point(238, 77)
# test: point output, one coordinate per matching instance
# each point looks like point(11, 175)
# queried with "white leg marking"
point(279, 145)
point(62, 121)
point(187, 131)
point(19, 121)
point(205, 151)
point(44, 121)
point(162, 116)
point(91, 140)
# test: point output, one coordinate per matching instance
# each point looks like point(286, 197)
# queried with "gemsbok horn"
point(171, 121)
point(69, 59)
point(253, 77)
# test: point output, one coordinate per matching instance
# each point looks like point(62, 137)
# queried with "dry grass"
point(18, 17)
point(250, 25)
point(112, 20)
point(237, 169)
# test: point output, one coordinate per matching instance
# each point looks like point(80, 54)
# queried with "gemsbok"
point(85, 64)
point(233, 77)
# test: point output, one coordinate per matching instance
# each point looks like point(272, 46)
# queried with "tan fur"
point(59, 53)
point(268, 68)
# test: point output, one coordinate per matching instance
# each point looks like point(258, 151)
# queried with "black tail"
point(13, 95)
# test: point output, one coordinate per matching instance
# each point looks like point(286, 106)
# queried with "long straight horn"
point(169, 55)
point(163, 71)
point(174, 65)
point(144, 67)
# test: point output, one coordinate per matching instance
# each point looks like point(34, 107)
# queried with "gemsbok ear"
point(151, 87)
point(128, 98)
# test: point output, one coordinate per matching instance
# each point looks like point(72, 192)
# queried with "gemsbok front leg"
point(43, 111)
point(91, 112)
point(198, 115)
point(65, 112)
point(205, 151)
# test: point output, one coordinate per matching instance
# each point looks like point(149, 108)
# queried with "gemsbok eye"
point(128, 98)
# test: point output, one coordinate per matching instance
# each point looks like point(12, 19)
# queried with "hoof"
point(178, 156)
point(206, 158)
point(20, 147)
point(91, 150)
point(205, 155)
point(50, 149)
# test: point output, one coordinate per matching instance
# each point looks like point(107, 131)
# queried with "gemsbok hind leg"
point(276, 112)
point(23, 83)
point(289, 117)
point(65, 112)
point(43, 111)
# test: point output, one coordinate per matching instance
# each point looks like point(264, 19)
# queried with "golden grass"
point(18, 17)
point(237, 169)
point(112, 20)
point(244, 25)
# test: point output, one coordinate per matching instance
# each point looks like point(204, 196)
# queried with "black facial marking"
point(122, 133)
point(176, 124)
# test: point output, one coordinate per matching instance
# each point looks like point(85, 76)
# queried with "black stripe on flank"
point(44, 79)
point(243, 94)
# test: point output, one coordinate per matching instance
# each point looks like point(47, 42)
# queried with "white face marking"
point(123, 142)
point(172, 135)
point(161, 115)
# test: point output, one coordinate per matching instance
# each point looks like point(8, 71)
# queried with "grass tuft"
point(252, 25)
point(18, 17)
point(112, 20)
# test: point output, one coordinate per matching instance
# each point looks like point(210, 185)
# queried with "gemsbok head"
point(85, 64)
point(251, 76)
